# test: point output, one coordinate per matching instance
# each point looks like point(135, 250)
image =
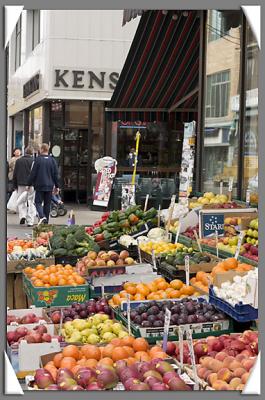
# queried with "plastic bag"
point(12, 202)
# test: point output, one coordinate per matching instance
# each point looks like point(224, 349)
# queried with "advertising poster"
point(127, 196)
point(106, 170)
point(187, 162)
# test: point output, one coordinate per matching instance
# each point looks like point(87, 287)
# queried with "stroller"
point(57, 207)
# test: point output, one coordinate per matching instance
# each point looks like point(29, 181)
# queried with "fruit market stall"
point(139, 301)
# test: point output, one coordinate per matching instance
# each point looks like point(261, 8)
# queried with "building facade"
point(63, 66)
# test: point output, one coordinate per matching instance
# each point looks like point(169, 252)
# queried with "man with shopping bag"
point(25, 199)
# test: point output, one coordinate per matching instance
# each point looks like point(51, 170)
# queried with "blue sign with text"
point(212, 223)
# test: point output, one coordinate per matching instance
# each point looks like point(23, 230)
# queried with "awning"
point(161, 72)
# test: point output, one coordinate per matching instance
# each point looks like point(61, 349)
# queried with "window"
point(35, 28)
point(218, 92)
point(220, 23)
point(18, 44)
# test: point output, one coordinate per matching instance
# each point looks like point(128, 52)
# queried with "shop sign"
point(85, 79)
point(212, 223)
point(106, 168)
point(31, 86)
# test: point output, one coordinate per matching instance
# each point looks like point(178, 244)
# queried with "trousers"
point(26, 209)
point(43, 204)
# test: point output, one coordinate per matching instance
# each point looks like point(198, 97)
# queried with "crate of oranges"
point(55, 285)
point(158, 289)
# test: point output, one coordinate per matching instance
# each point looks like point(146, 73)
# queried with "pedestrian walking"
point(26, 208)
point(44, 179)
point(10, 168)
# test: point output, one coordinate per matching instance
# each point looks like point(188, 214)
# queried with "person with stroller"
point(57, 206)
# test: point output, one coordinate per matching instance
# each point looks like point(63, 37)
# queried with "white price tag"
point(166, 328)
point(129, 313)
point(177, 233)
point(230, 184)
point(146, 202)
point(221, 187)
point(187, 269)
point(239, 243)
point(139, 255)
point(216, 243)
point(192, 356)
point(197, 240)
point(159, 216)
point(154, 259)
point(248, 197)
point(180, 334)
point(102, 290)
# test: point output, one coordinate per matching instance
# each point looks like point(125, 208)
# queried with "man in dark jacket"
point(26, 209)
point(44, 178)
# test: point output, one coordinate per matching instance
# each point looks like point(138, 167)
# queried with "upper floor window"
point(220, 23)
point(35, 28)
point(217, 97)
point(18, 44)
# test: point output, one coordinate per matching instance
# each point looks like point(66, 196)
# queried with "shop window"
point(222, 105)
point(97, 130)
point(76, 114)
point(218, 88)
point(250, 175)
point(35, 128)
point(35, 28)
point(18, 44)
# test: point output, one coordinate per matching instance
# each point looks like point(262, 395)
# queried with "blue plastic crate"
point(240, 312)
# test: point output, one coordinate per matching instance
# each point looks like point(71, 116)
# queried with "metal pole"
point(138, 135)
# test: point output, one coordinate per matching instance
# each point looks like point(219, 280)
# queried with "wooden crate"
point(16, 297)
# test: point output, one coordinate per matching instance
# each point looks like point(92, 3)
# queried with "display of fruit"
point(202, 279)
point(208, 198)
point(141, 376)
point(38, 335)
point(29, 318)
point(194, 258)
point(185, 311)
point(54, 275)
point(163, 248)
point(72, 240)
point(238, 290)
point(189, 232)
point(158, 289)
point(244, 344)
point(25, 250)
point(103, 259)
point(251, 252)
point(98, 328)
point(251, 240)
point(43, 238)
point(117, 223)
point(232, 225)
point(81, 311)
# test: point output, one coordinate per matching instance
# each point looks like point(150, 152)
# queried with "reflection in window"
point(97, 130)
point(76, 114)
point(218, 86)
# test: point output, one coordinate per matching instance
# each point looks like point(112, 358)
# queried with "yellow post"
point(138, 135)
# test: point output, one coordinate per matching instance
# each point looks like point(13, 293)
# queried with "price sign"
point(187, 269)
point(170, 212)
point(146, 202)
point(239, 243)
point(154, 259)
point(221, 187)
point(159, 216)
point(192, 356)
point(248, 197)
point(216, 243)
point(61, 322)
point(139, 254)
point(129, 313)
point(178, 232)
point(230, 187)
point(180, 334)
point(166, 328)
point(102, 290)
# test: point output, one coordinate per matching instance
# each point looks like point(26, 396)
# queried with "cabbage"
point(158, 234)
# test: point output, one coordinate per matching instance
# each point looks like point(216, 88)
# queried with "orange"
point(57, 360)
point(123, 294)
point(142, 356)
point(152, 287)
point(116, 299)
point(38, 283)
point(53, 268)
point(46, 278)
point(176, 284)
point(119, 354)
point(105, 361)
point(28, 270)
point(154, 350)
point(91, 351)
point(127, 341)
point(139, 296)
point(79, 280)
point(71, 351)
point(157, 280)
point(91, 363)
point(116, 342)
point(62, 282)
point(160, 354)
point(127, 284)
point(162, 294)
point(230, 263)
point(68, 362)
point(174, 294)
point(39, 267)
point(130, 360)
point(142, 289)
point(76, 369)
point(163, 285)
point(131, 289)
point(140, 344)
point(200, 275)
point(129, 351)
point(189, 290)
point(107, 350)
point(52, 370)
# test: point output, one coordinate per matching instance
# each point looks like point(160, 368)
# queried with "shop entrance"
point(75, 164)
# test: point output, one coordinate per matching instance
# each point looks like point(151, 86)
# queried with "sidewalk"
point(83, 216)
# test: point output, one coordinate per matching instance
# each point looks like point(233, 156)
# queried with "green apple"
point(117, 327)
point(93, 339)
point(79, 324)
point(108, 336)
point(233, 241)
point(255, 234)
point(102, 317)
point(107, 328)
point(249, 232)
point(122, 334)
point(249, 239)
point(253, 241)
point(75, 337)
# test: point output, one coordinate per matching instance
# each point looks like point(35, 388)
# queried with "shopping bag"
point(22, 198)
point(12, 202)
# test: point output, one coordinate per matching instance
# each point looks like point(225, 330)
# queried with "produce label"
point(181, 345)
point(166, 328)
point(106, 169)
point(47, 296)
point(187, 269)
point(210, 223)
point(129, 313)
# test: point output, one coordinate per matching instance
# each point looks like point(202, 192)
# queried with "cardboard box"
point(17, 266)
point(39, 312)
point(55, 295)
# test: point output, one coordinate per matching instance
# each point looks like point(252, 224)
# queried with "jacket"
point(22, 170)
point(44, 174)
point(11, 168)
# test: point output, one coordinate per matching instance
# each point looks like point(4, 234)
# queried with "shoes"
point(22, 221)
point(30, 225)
point(42, 221)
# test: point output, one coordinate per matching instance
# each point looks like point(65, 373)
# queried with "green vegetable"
point(107, 235)
point(132, 210)
point(112, 227)
point(70, 242)
point(80, 235)
point(149, 214)
point(60, 252)
point(139, 213)
point(97, 230)
point(57, 242)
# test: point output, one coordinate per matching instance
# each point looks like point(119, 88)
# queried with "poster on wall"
point(187, 162)
point(106, 168)
point(127, 196)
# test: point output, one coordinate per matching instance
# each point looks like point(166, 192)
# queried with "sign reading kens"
point(86, 80)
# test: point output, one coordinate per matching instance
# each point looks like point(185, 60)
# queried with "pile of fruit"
point(219, 200)
point(189, 232)
point(38, 335)
point(72, 241)
point(186, 311)
point(158, 289)
point(220, 347)
point(163, 248)
point(29, 318)
point(154, 375)
point(79, 311)
point(25, 250)
point(54, 275)
point(103, 259)
point(251, 240)
point(43, 238)
point(115, 224)
point(98, 328)
point(194, 258)
point(202, 279)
